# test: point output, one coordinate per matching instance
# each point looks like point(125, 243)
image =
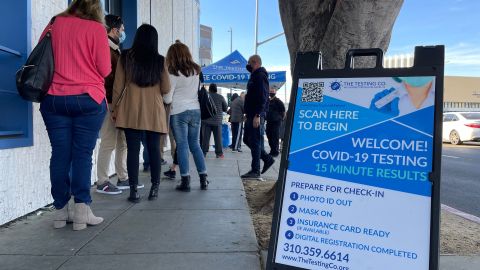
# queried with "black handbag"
point(207, 105)
point(35, 77)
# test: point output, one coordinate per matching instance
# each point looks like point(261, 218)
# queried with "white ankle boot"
point(83, 216)
point(63, 216)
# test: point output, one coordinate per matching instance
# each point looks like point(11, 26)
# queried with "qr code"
point(312, 92)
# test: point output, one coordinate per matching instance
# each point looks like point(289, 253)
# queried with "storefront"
point(24, 146)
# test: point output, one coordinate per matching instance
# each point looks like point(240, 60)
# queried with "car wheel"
point(455, 138)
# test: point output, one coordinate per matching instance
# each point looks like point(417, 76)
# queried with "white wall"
point(24, 178)
point(173, 19)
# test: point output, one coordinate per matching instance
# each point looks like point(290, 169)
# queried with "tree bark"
point(335, 26)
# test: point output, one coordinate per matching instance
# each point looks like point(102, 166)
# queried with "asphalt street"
point(460, 186)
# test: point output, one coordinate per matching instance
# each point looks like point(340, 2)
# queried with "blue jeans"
point(73, 123)
point(186, 130)
point(253, 138)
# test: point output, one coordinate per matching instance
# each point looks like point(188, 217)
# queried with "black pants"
point(152, 140)
point(207, 130)
point(237, 133)
point(273, 135)
point(253, 138)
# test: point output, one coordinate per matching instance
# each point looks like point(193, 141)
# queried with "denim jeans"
point(253, 138)
point(152, 144)
point(73, 124)
point(186, 130)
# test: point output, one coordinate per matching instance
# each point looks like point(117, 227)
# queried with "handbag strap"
point(127, 82)
point(50, 24)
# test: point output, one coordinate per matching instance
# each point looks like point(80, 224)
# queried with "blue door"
point(15, 113)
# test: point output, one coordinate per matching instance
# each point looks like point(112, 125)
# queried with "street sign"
point(359, 185)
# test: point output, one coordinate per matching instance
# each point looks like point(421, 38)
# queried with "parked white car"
point(459, 127)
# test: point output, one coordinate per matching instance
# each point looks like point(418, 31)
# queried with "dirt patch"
point(458, 236)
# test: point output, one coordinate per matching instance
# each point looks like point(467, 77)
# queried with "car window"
point(447, 117)
point(471, 116)
point(454, 117)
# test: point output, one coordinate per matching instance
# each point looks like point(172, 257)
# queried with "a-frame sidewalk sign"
point(359, 182)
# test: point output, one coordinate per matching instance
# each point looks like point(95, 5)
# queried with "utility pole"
point(256, 31)
point(231, 39)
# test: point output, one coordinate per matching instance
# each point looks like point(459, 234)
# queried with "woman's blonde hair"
point(179, 59)
point(85, 9)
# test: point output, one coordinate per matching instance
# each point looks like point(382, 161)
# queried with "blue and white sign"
point(231, 72)
point(357, 191)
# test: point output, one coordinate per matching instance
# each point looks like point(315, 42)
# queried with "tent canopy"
point(230, 72)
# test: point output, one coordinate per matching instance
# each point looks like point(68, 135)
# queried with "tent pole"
point(256, 26)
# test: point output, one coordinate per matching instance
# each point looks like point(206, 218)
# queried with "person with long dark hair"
point(185, 114)
point(141, 80)
point(74, 109)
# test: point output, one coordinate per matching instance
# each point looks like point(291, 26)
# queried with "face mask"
point(272, 95)
point(249, 68)
point(122, 37)
point(416, 81)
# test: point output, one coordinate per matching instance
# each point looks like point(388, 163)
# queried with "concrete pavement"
point(197, 230)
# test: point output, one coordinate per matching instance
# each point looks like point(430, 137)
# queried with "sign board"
point(359, 188)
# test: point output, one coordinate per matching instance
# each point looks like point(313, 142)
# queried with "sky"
point(453, 23)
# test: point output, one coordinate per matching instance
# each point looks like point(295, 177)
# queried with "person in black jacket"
point(275, 116)
point(256, 107)
point(214, 123)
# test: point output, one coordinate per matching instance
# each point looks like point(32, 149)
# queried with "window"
point(447, 117)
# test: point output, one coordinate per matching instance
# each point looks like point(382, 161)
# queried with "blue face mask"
point(416, 81)
point(122, 37)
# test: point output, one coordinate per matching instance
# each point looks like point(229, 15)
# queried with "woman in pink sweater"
point(74, 109)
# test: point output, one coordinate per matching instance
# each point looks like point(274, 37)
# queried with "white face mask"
point(122, 37)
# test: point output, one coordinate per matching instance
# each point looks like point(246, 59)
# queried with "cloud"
point(462, 58)
point(462, 54)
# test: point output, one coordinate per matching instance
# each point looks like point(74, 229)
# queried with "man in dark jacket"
point(236, 118)
point(256, 107)
point(214, 123)
point(111, 137)
point(275, 116)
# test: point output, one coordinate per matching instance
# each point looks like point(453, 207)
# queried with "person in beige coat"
point(141, 79)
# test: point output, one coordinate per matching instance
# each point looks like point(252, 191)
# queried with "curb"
point(460, 213)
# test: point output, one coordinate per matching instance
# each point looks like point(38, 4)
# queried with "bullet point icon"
point(292, 209)
point(294, 196)
point(289, 235)
point(291, 222)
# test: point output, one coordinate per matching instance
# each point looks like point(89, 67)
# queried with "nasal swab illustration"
point(387, 99)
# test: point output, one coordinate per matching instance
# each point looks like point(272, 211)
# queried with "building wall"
point(461, 93)
point(206, 35)
point(25, 181)
point(173, 19)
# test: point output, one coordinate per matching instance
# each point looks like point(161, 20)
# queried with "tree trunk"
point(335, 26)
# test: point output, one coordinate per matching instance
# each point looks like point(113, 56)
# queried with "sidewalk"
point(202, 230)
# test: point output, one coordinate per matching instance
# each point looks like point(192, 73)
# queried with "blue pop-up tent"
point(230, 72)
